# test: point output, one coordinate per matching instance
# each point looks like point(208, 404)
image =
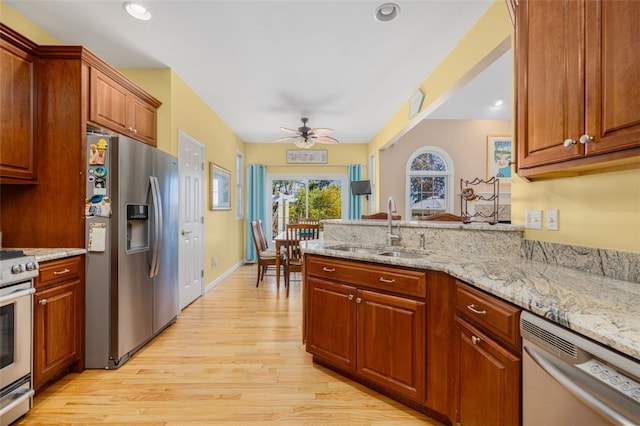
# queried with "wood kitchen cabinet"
point(58, 327)
point(367, 320)
point(487, 360)
point(118, 108)
point(578, 97)
point(62, 110)
point(19, 160)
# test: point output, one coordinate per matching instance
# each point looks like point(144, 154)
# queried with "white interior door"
point(191, 218)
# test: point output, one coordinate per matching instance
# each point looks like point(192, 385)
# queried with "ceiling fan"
point(305, 137)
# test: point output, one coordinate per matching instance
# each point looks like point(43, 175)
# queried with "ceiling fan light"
point(137, 10)
point(498, 102)
point(387, 12)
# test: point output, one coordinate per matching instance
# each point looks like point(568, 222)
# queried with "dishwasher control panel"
point(612, 378)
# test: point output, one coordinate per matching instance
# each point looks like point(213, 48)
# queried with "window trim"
point(240, 186)
point(449, 177)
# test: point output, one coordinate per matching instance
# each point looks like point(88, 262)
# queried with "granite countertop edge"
point(604, 309)
point(46, 254)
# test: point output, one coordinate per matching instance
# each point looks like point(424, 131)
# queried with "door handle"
point(185, 232)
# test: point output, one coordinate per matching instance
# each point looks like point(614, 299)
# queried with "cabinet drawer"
point(402, 281)
point(498, 317)
point(61, 270)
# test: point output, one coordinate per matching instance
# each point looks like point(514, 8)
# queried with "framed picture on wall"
point(305, 156)
point(499, 157)
point(219, 188)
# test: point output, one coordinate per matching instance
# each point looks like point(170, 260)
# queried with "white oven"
point(16, 335)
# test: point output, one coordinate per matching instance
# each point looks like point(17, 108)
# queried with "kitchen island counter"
point(602, 308)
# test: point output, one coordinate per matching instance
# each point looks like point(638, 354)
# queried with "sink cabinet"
point(577, 73)
point(58, 327)
point(369, 324)
point(487, 359)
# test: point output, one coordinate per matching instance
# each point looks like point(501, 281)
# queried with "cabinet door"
point(18, 162)
point(550, 81)
point(108, 102)
point(391, 342)
point(613, 75)
point(331, 328)
point(56, 330)
point(488, 379)
point(142, 120)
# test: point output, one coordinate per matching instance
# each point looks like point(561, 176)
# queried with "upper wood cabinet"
point(115, 107)
point(19, 160)
point(578, 97)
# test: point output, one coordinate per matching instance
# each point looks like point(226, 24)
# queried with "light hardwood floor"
point(233, 357)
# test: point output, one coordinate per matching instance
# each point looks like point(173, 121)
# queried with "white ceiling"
point(263, 64)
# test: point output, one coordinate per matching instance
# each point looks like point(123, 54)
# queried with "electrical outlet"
point(214, 261)
point(552, 220)
point(533, 219)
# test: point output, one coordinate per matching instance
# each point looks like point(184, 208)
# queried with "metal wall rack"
point(469, 194)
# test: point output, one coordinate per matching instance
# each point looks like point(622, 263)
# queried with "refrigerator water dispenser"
point(137, 228)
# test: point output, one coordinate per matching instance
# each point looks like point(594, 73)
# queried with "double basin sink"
point(380, 252)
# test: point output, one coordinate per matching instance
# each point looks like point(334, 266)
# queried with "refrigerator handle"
point(157, 228)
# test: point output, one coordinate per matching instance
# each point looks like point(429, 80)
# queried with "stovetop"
point(10, 254)
point(16, 267)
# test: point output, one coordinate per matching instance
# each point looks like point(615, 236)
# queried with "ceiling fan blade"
point(320, 131)
point(289, 130)
point(326, 140)
point(285, 139)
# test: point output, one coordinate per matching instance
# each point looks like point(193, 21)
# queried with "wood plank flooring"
point(233, 357)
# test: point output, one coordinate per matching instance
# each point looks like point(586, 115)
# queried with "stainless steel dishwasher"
point(570, 380)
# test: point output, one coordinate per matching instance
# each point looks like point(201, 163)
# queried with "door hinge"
point(201, 273)
point(202, 166)
point(202, 220)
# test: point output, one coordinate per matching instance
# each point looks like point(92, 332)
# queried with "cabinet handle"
point(42, 302)
point(472, 308)
point(64, 271)
point(351, 297)
point(569, 142)
point(358, 299)
point(586, 139)
point(475, 340)
point(391, 281)
point(324, 268)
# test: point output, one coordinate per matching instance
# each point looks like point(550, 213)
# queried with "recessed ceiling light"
point(498, 102)
point(387, 12)
point(137, 10)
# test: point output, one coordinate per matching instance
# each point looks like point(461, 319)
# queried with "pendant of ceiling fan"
point(305, 137)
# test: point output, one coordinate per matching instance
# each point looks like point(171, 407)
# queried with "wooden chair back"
point(298, 232)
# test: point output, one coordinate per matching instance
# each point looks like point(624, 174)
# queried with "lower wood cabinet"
point(487, 360)
point(58, 327)
point(377, 336)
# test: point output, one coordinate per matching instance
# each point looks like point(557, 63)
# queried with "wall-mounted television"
point(361, 187)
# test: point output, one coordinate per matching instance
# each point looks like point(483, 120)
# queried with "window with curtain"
point(429, 182)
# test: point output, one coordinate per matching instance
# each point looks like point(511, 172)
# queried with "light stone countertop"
point(604, 309)
point(45, 254)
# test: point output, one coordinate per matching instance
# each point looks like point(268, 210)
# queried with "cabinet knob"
point(475, 340)
point(585, 139)
point(569, 142)
point(42, 302)
point(351, 297)
point(358, 299)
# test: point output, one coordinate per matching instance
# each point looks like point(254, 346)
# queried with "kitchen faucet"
point(392, 239)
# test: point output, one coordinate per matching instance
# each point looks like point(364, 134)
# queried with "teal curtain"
point(257, 196)
point(354, 203)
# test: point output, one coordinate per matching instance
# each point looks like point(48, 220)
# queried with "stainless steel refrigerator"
point(131, 211)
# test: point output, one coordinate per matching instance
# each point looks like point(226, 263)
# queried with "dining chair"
point(381, 215)
point(293, 255)
point(265, 256)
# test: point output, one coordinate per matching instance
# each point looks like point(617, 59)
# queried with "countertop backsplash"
point(620, 265)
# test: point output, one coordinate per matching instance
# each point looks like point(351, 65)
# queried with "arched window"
point(429, 182)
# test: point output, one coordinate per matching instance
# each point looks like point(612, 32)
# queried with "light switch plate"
point(533, 219)
point(552, 220)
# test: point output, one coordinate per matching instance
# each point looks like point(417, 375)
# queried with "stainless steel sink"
point(402, 254)
point(352, 249)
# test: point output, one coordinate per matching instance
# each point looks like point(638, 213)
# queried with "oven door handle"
point(573, 380)
point(19, 400)
point(16, 295)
